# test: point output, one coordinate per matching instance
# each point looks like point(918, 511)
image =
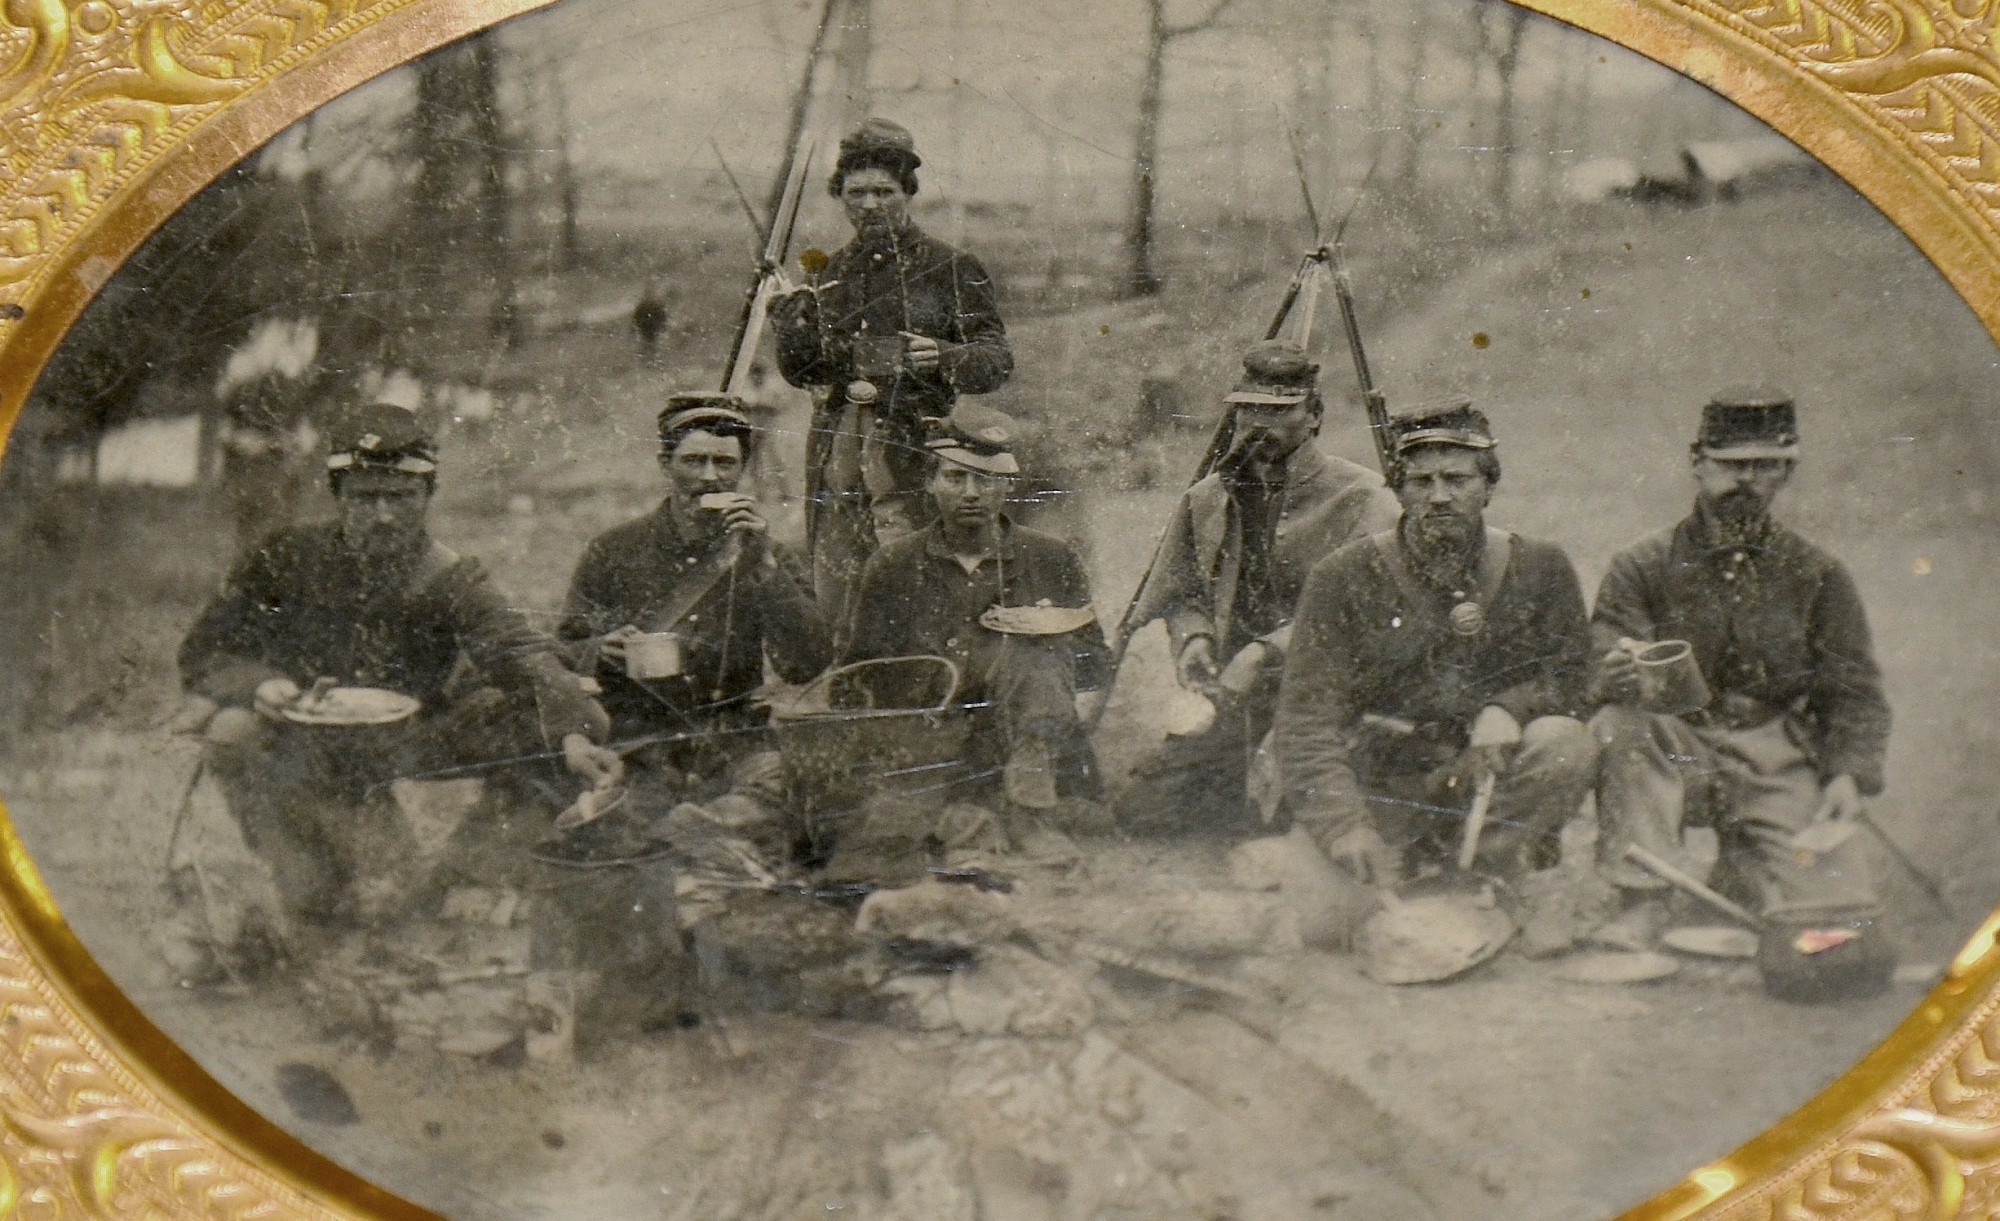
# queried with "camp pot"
point(650, 655)
point(1825, 955)
point(1669, 679)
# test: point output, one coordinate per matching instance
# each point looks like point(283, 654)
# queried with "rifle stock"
point(757, 303)
point(784, 213)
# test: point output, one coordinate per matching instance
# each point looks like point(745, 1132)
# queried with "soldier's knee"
point(233, 731)
point(1615, 725)
point(1560, 743)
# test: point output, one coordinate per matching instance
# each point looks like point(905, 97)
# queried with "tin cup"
point(651, 655)
point(1669, 680)
point(878, 358)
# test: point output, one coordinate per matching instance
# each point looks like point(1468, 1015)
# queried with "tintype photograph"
point(924, 609)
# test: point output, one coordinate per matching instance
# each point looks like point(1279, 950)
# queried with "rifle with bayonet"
point(1300, 302)
point(768, 281)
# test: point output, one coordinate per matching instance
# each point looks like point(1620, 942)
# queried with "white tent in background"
point(281, 346)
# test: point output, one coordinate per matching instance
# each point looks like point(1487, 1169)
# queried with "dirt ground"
point(1506, 1094)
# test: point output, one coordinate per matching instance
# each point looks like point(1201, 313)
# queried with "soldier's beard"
point(1444, 544)
point(1738, 515)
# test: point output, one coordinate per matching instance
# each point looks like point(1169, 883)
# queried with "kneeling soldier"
point(1430, 661)
point(1795, 726)
point(369, 600)
point(926, 593)
point(677, 613)
point(1230, 567)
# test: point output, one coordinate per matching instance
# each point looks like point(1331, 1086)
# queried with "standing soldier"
point(1795, 727)
point(1431, 660)
point(1227, 580)
point(369, 600)
point(897, 326)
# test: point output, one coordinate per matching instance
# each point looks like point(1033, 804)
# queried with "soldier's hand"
point(1364, 853)
point(1089, 704)
point(921, 352)
point(1195, 669)
point(752, 533)
point(1240, 676)
point(611, 645)
point(1840, 799)
point(274, 695)
point(597, 765)
point(791, 305)
point(1615, 679)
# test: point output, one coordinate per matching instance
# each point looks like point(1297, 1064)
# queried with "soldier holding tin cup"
point(1794, 733)
point(675, 614)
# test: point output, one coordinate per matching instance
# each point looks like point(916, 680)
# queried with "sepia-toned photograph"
point(913, 609)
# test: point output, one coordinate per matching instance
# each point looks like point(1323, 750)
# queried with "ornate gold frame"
point(114, 112)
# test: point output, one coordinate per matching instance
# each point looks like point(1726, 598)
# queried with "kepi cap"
point(1275, 374)
point(878, 142)
point(978, 438)
point(382, 436)
point(694, 409)
point(1749, 423)
point(1453, 422)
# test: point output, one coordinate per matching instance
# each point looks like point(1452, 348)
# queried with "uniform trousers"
point(1422, 813)
point(1755, 786)
point(1201, 783)
point(1022, 690)
point(314, 802)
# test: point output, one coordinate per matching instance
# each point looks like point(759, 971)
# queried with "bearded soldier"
point(1433, 660)
point(370, 600)
point(1236, 552)
point(896, 327)
point(1795, 726)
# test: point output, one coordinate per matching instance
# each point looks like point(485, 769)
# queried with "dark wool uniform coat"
point(916, 598)
point(908, 282)
point(306, 606)
point(632, 572)
point(1361, 645)
point(1777, 628)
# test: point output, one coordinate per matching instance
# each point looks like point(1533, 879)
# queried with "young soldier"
point(369, 600)
point(1796, 727)
point(903, 325)
point(1227, 580)
point(925, 594)
point(1428, 658)
point(701, 568)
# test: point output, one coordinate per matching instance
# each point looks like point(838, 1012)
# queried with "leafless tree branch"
point(1214, 13)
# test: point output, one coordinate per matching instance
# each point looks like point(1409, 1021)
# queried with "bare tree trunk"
point(567, 192)
point(857, 43)
point(1513, 20)
point(1142, 279)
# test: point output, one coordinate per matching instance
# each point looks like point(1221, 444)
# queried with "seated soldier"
point(1795, 727)
point(1429, 661)
point(1235, 554)
point(369, 600)
point(925, 593)
point(677, 612)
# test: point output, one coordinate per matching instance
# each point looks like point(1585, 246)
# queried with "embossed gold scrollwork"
point(78, 1141)
point(46, 24)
